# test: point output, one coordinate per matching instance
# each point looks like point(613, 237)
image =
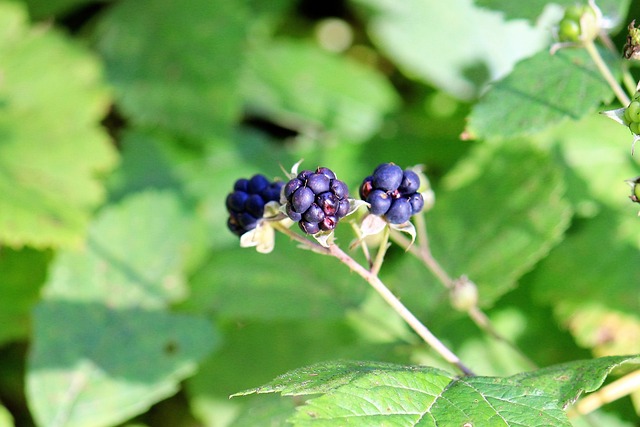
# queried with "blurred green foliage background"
point(124, 300)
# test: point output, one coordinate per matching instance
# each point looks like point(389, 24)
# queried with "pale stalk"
point(382, 250)
point(606, 73)
point(385, 293)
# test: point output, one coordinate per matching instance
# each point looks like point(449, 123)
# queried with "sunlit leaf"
point(93, 366)
point(51, 144)
point(133, 257)
point(523, 103)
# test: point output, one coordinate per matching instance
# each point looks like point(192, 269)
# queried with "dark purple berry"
point(313, 214)
point(326, 172)
point(329, 223)
point(343, 208)
point(380, 202)
point(241, 185)
point(417, 203)
point(302, 199)
point(295, 216)
point(255, 206)
point(318, 183)
point(366, 187)
point(302, 176)
point(327, 202)
point(291, 186)
point(339, 188)
point(272, 192)
point(257, 183)
point(247, 221)
point(236, 201)
point(387, 177)
point(309, 227)
point(246, 203)
point(399, 212)
point(410, 183)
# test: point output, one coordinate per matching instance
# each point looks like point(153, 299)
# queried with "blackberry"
point(316, 200)
point(392, 193)
point(246, 203)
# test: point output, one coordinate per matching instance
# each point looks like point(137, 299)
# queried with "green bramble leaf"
point(164, 59)
point(294, 84)
point(133, 257)
point(52, 146)
point(94, 366)
point(374, 393)
point(523, 103)
point(493, 221)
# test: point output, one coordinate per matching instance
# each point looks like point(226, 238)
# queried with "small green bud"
point(635, 189)
point(632, 113)
point(579, 24)
point(464, 294)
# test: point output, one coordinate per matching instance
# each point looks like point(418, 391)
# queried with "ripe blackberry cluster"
point(246, 203)
point(316, 200)
point(392, 193)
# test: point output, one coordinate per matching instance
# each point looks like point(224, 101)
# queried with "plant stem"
point(400, 308)
point(606, 73)
point(475, 314)
point(385, 293)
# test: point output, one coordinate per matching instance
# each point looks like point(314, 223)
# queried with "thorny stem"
point(476, 314)
point(606, 73)
point(609, 393)
point(385, 293)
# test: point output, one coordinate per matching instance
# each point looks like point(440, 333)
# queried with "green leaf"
point(22, 273)
point(6, 420)
point(287, 284)
point(133, 257)
point(39, 9)
point(96, 366)
point(451, 45)
point(52, 146)
point(523, 103)
point(295, 85)
point(494, 220)
point(532, 9)
point(601, 310)
point(372, 393)
point(175, 65)
point(566, 382)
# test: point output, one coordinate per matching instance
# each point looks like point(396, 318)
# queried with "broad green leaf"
point(567, 381)
point(502, 209)
point(175, 65)
point(302, 87)
point(598, 300)
point(371, 393)
point(451, 45)
point(96, 366)
point(22, 273)
point(266, 412)
point(532, 9)
point(51, 144)
point(133, 257)
point(524, 103)
point(39, 9)
point(6, 420)
point(289, 283)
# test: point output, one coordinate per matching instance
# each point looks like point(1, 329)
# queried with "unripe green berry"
point(569, 30)
point(632, 113)
point(635, 127)
point(464, 294)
